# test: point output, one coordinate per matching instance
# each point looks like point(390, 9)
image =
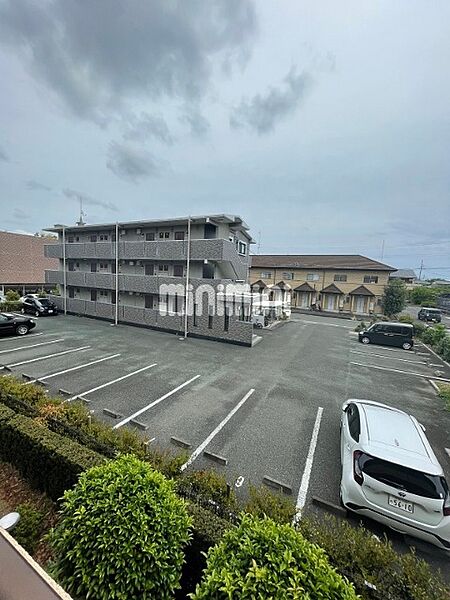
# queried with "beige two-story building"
point(334, 283)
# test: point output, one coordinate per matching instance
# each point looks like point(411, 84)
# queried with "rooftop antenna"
point(80, 223)
point(258, 248)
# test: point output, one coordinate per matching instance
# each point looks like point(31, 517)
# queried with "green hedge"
point(365, 559)
point(49, 461)
point(10, 306)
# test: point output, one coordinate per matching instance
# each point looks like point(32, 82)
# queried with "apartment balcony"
point(164, 250)
point(145, 284)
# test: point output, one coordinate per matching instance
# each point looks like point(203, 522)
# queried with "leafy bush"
point(12, 296)
point(42, 294)
point(361, 326)
point(208, 484)
point(30, 394)
point(444, 393)
point(419, 328)
point(10, 306)
point(262, 502)
point(51, 462)
point(443, 347)
point(362, 557)
point(424, 295)
point(121, 533)
point(434, 335)
point(264, 559)
point(406, 319)
point(29, 528)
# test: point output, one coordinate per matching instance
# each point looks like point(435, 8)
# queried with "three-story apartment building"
point(351, 284)
point(138, 273)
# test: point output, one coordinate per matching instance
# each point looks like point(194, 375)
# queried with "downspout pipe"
point(188, 263)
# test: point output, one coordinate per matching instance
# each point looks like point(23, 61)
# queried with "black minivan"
point(389, 334)
point(39, 306)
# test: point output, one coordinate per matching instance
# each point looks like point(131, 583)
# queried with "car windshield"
point(44, 302)
point(403, 478)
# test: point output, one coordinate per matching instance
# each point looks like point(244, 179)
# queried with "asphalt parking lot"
point(270, 413)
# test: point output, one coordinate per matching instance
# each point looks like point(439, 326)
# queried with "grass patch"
point(444, 393)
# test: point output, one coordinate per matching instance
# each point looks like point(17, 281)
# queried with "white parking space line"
point(100, 387)
point(303, 491)
point(16, 339)
point(32, 360)
point(155, 402)
point(399, 371)
point(30, 346)
point(213, 434)
point(415, 362)
point(93, 362)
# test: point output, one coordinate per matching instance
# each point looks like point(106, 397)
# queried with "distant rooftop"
point(318, 261)
point(221, 218)
point(403, 274)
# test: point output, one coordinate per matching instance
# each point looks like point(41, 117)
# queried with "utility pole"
point(382, 250)
point(258, 247)
point(421, 268)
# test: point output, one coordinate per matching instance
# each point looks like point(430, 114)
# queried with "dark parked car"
point(430, 314)
point(38, 306)
point(15, 324)
point(389, 334)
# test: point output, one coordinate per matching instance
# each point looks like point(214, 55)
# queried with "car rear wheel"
point(406, 345)
point(22, 329)
point(365, 340)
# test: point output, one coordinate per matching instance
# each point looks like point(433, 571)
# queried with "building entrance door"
point(329, 302)
point(360, 304)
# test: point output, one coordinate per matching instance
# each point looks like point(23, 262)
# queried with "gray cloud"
point(96, 55)
point(198, 124)
point(3, 155)
point(131, 163)
point(262, 112)
point(20, 215)
point(141, 129)
point(34, 185)
point(87, 200)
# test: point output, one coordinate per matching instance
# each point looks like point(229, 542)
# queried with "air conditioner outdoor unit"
point(123, 232)
point(131, 263)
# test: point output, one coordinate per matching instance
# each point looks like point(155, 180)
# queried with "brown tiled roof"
point(22, 258)
point(318, 261)
point(305, 287)
point(331, 289)
point(361, 291)
point(281, 285)
point(259, 284)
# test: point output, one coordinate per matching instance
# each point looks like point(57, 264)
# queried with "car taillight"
point(446, 509)
point(357, 473)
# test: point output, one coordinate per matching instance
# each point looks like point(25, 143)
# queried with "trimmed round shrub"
point(264, 559)
point(121, 534)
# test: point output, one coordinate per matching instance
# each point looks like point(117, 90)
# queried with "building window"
point(339, 277)
point(70, 239)
point(94, 295)
point(210, 321)
point(103, 293)
point(178, 270)
point(150, 237)
point(148, 301)
point(312, 277)
point(103, 237)
point(164, 235)
point(163, 268)
point(194, 315)
point(150, 269)
point(78, 265)
point(113, 296)
point(226, 322)
point(71, 292)
point(287, 275)
point(103, 266)
point(370, 278)
point(71, 266)
point(242, 248)
point(93, 238)
point(266, 274)
point(179, 235)
point(77, 239)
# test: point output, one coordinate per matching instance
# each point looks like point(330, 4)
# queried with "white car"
point(23, 298)
point(390, 472)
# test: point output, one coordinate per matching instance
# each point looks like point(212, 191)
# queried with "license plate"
point(401, 504)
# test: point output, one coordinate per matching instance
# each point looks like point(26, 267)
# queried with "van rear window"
point(403, 478)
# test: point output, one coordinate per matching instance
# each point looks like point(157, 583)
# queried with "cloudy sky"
point(325, 125)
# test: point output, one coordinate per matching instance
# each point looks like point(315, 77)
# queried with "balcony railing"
point(215, 249)
point(146, 284)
